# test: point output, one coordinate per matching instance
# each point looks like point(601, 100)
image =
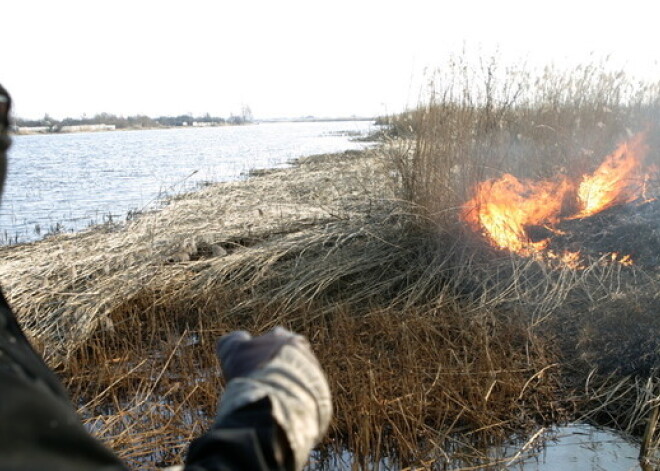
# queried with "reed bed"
point(481, 122)
point(437, 346)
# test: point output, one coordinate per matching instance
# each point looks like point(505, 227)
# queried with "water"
point(581, 447)
point(573, 447)
point(66, 182)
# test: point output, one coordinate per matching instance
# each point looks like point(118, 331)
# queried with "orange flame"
point(618, 180)
point(503, 208)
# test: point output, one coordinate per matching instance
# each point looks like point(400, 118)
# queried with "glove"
point(279, 366)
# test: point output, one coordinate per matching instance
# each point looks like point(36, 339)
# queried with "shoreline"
point(210, 156)
point(25, 132)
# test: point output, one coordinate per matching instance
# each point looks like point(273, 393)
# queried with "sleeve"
point(39, 428)
point(247, 439)
point(275, 408)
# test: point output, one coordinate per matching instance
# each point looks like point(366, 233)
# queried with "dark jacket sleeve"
point(39, 428)
point(248, 439)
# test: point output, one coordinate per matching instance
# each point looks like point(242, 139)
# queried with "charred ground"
point(630, 229)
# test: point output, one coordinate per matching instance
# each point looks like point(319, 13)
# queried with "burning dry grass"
point(519, 140)
point(436, 344)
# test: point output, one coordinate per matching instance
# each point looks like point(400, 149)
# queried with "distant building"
point(88, 128)
point(31, 129)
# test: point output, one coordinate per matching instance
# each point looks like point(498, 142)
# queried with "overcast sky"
point(289, 58)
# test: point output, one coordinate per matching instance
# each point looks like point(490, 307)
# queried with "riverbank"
point(36, 130)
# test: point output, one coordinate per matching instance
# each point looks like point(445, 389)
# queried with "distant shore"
point(103, 127)
point(32, 130)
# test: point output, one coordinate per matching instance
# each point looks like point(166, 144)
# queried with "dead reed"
point(481, 122)
point(416, 376)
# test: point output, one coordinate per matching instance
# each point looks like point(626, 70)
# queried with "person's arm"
point(275, 408)
point(249, 439)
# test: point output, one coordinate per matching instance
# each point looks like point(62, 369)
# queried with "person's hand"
point(279, 366)
point(241, 354)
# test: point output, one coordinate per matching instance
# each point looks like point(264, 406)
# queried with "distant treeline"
point(138, 121)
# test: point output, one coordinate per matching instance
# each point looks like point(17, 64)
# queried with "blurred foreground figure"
point(276, 406)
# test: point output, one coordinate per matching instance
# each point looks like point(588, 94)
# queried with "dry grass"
point(436, 346)
point(413, 382)
point(481, 122)
point(66, 287)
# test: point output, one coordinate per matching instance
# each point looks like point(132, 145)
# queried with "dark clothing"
point(39, 428)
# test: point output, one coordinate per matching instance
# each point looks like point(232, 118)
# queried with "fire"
point(618, 180)
point(503, 208)
point(568, 259)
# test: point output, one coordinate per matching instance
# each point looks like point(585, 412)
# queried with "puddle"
point(575, 447)
point(583, 448)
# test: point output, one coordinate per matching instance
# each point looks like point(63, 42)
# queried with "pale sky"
point(287, 58)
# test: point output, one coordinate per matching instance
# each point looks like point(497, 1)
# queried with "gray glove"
point(279, 365)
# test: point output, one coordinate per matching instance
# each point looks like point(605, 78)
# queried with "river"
point(66, 182)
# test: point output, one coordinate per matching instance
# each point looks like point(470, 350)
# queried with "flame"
point(625, 260)
point(567, 258)
point(618, 180)
point(501, 209)
point(504, 207)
